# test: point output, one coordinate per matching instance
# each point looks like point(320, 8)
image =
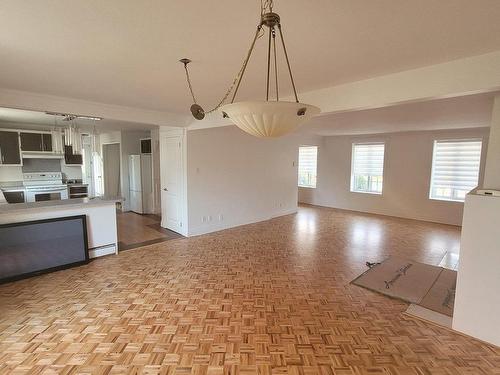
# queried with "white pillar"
point(492, 166)
point(477, 299)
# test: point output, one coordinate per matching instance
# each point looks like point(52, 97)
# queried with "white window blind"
point(308, 158)
point(367, 169)
point(455, 169)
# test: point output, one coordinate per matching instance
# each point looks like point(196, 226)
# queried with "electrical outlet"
point(209, 218)
point(221, 217)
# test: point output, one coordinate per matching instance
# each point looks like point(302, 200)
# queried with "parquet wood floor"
point(267, 298)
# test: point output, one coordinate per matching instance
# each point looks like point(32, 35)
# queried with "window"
point(455, 169)
point(367, 168)
point(308, 158)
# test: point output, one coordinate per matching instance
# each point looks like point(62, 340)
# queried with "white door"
point(171, 183)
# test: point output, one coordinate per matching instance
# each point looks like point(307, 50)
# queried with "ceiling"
point(454, 113)
point(34, 120)
point(126, 52)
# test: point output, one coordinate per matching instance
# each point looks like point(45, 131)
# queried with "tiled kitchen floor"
point(136, 230)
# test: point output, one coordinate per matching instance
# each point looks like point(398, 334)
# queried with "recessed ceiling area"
point(453, 113)
point(33, 120)
point(126, 52)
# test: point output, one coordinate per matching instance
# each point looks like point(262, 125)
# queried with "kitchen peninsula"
point(100, 213)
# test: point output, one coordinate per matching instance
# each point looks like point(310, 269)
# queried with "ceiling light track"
point(71, 117)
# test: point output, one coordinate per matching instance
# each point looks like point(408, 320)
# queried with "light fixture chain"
point(265, 6)
point(238, 76)
point(189, 83)
point(237, 79)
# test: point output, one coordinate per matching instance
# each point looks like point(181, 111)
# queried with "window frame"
point(435, 141)
point(298, 168)
point(351, 187)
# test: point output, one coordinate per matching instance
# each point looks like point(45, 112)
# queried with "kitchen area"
point(63, 170)
point(34, 167)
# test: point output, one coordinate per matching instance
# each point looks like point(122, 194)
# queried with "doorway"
point(111, 169)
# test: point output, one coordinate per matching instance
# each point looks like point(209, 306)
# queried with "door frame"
point(181, 135)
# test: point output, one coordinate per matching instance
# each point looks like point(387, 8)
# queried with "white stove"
point(44, 186)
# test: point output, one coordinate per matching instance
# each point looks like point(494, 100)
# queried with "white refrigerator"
point(141, 183)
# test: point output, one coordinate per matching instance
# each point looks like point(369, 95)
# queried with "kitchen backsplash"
point(71, 172)
point(41, 165)
point(15, 173)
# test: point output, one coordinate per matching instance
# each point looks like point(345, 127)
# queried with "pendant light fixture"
point(95, 140)
point(72, 134)
point(269, 118)
point(57, 145)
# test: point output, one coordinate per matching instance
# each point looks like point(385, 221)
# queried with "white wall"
point(477, 301)
point(243, 178)
point(492, 168)
point(71, 171)
point(407, 172)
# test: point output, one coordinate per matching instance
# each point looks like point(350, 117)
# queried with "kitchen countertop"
point(12, 208)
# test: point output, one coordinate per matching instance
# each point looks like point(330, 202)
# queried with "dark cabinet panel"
point(71, 158)
point(145, 146)
point(47, 142)
point(14, 196)
point(9, 148)
point(36, 142)
point(31, 142)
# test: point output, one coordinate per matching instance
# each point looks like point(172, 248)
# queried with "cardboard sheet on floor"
point(441, 296)
point(400, 278)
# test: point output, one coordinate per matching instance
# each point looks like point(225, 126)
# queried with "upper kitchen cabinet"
point(9, 148)
point(41, 142)
point(146, 146)
point(70, 158)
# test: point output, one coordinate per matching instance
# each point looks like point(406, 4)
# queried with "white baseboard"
point(102, 250)
point(205, 229)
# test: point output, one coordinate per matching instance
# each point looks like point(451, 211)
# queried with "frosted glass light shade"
point(57, 144)
point(269, 119)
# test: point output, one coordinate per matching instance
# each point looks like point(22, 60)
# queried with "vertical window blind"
point(308, 158)
point(367, 167)
point(455, 168)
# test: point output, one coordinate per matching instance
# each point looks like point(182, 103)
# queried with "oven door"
point(46, 194)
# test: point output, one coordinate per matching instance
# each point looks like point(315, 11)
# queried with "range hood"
point(41, 155)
